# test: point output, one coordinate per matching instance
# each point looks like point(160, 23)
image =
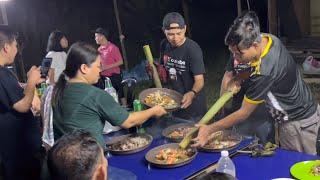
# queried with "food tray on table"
point(222, 140)
point(170, 156)
point(167, 98)
point(306, 170)
point(129, 143)
point(176, 132)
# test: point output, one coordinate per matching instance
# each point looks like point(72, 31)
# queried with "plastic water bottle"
point(108, 88)
point(225, 164)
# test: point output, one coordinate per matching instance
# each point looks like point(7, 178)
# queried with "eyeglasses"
point(236, 51)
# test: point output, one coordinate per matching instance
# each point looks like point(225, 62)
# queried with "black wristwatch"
point(195, 93)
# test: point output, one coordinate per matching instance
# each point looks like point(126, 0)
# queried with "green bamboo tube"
point(155, 75)
point(207, 117)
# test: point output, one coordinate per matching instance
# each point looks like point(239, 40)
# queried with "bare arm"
point(198, 83)
point(227, 77)
point(36, 104)
point(206, 131)
point(25, 103)
point(51, 75)
point(197, 87)
point(138, 118)
point(238, 116)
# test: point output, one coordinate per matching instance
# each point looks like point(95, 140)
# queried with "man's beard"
point(252, 59)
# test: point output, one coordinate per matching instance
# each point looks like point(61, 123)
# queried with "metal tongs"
point(256, 150)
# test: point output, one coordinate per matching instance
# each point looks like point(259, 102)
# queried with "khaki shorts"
point(300, 135)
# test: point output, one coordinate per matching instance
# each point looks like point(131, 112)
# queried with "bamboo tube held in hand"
point(155, 75)
point(209, 115)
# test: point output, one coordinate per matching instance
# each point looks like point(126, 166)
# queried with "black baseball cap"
point(171, 18)
point(102, 31)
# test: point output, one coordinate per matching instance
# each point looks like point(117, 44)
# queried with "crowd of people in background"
point(74, 108)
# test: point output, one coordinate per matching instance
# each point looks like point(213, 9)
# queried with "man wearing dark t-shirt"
point(274, 80)
point(20, 140)
point(183, 61)
point(260, 122)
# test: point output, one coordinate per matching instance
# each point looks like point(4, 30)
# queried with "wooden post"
point(19, 67)
point(302, 12)
point(273, 17)
point(121, 36)
point(239, 7)
point(248, 5)
point(185, 9)
point(3, 13)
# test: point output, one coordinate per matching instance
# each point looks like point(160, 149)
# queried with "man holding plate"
point(181, 67)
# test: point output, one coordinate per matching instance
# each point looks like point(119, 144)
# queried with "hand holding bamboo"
point(210, 114)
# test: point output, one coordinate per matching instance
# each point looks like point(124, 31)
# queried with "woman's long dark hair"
point(79, 53)
point(54, 41)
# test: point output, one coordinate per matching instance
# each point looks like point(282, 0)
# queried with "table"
point(246, 167)
point(137, 164)
point(277, 166)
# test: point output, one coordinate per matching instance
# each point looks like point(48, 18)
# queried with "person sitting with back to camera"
point(77, 155)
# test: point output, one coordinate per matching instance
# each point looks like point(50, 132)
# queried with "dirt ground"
point(315, 88)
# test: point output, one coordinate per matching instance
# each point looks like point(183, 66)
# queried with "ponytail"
point(58, 90)
point(78, 54)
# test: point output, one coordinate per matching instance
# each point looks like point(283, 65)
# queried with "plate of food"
point(129, 144)
point(177, 132)
point(167, 98)
point(306, 170)
point(170, 156)
point(222, 140)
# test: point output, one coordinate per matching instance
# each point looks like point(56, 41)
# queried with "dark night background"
point(141, 23)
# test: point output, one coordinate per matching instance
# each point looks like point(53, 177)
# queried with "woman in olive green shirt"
point(79, 105)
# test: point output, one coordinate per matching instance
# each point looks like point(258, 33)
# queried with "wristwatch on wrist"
point(194, 92)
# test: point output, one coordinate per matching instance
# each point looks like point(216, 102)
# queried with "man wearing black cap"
point(111, 60)
point(183, 61)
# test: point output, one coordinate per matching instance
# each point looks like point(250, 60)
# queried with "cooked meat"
point(221, 144)
point(172, 156)
point(130, 143)
point(157, 98)
point(316, 170)
point(180, 132)
point(220, 140)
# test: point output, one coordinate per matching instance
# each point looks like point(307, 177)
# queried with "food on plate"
point(129, 143)
point(158, 98)
point(221, 141)
point(221, 144)
point(315, 170)
point(180, 132)
point(173, 155)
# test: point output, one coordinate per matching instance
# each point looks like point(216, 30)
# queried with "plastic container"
point(108, 88)
point(225, 164)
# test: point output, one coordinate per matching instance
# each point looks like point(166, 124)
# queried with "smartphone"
point(45, 66)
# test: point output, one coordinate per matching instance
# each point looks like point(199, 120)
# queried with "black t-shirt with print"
point(182, 64)
point(277, 81)
point(18, 131)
